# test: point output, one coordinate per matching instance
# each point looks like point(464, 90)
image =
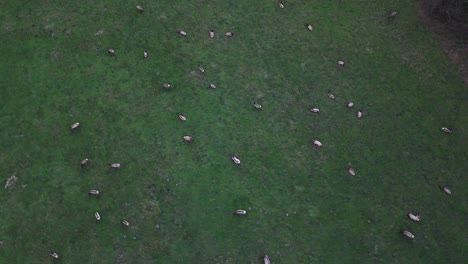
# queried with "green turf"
point(302, 205)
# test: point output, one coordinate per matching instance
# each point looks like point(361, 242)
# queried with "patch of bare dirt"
point(457, 52)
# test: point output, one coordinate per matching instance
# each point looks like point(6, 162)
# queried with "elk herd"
point(234, 157)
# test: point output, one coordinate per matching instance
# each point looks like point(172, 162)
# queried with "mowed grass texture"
point(303, 207)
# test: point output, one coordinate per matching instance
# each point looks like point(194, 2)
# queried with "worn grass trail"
point(302, 205)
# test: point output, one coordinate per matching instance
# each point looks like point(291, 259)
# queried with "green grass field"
point(303, 207)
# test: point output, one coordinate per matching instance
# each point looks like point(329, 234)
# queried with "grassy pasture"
point(302, 205)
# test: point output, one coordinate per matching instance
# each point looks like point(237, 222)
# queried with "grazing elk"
point(240, 212)
point(447, 130)
point(182, 117)
point(83, 162)
point(351, 171)
point(201, 69)
point(115, 165)
point(330, 95)
point(98, 216)
point(53, 254)
point(182, 33)
point(359, 114)
point(188, 139)
point(139, 9)
point(314, 109)
point(125, 223)
point(211, 86)
point(235, 159)
point(414, 217)
point(392, 14)
point(408, 234)
point(166, 85)
point(145, 54)
point(74, 126)
point(341, 63)
point(266, 259)
point(309, 27)
point(229, 34)
point(445, 189)
point(111, 52)
point(93, 193)
point(349, 104)
point(280, 5)
point(211, 33)
point(316, 143)
point(257, 105)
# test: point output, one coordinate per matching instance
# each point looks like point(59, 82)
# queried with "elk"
point(266, 259)
point(145, 54)
point(257, 105)
point(188, 139)
point(446, 130)
point(125, 223)
point(330, 95)
point(359, 114)
point(341, 63)
point(414, 217)
point(53, 254)
point(98, 216)
point(235, 159)
point(309, 27)
point(229, 34)
point(166, 85)
point(445, 189)
point(280, 5)
point(349, 104)
point(93, 193)
point(182, 33)
point(240, 212)
point(316, 143)
point(83, 162)
point(182, 117)
point(111, 52)
point(74, 126)
point(351, 171)
point(392, 14)
point(201, 69)
point(314, 109)
point(139, 9)
point(408, 234)
point(115, 165)
point(211, 33)
point(211, 86)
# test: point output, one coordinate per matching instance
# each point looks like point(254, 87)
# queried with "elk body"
point(182, 117)
point(235, 159)
point(240, 212)
point(139, 9)
point(84, 162)
point(74, 126)
point(229, 34)
point(408, 234)
point(115, 165)
point(53, 254)
point(188, 139)
point(414, 217)
point(93, 193)
point(316, 143)
point(309, 27)
point(445, 189)
point(257, 105)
